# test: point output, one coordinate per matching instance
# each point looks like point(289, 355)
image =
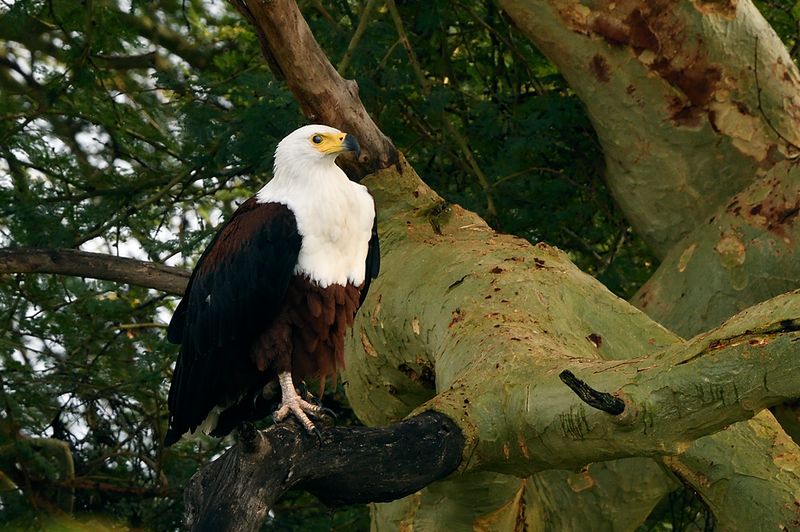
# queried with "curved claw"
point(302, 390)
point(295, 405)
point(329, 412)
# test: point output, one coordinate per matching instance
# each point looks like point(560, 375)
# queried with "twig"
point(491, 208)
point(366, 16)
point(596, 399)
point(614, 252)
point(412, 56)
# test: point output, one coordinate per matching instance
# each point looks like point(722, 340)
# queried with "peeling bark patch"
point(644, 299)
point(746, 130)
point(611, 29)
point(523, 446)
point(775, 213)
point(641, 36)
point(731, 250)
point(581, 481)
point(726, 8)
point(686, 256)
point(595, 339)
point(496, 270)
point(500, 519)
point(424, 377)
point(455, 317)
point(697, 82)
point(687, 70)
point(415, 326)
point(373, 318)
point(369, 349)
point(599, 68)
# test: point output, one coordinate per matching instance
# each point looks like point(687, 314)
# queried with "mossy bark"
point(746, 252)
point(706, 95)
point(671, 80)
point(478, 325)
point(672, 89)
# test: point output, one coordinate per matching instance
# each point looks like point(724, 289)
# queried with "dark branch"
point(599, 400)
point(95, 265)
point(352, 465)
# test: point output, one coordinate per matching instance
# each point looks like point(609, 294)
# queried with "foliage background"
point(134, 127)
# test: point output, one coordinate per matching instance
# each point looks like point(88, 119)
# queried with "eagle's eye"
point(316, 139)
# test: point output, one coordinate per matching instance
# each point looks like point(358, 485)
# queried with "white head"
point(311, 146)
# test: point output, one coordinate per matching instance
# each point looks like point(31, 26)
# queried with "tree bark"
point(496, 361)
point(324, 96)
point(671, 88)
point(746, 253)
point(648, 73)
point(504, 308)
point(346, 466)
point(491, 329)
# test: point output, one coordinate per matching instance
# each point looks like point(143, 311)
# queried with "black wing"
point(373, 260)
point(236, 290)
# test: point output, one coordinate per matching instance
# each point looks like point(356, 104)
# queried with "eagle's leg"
point(291, 402)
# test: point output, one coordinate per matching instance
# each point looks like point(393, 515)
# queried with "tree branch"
point(351, 465)
point(672, 397)
point(324, 96)
point(594, 398)
point(96, 266)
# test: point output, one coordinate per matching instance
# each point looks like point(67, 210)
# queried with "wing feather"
point(235, 291)
point(373, 261)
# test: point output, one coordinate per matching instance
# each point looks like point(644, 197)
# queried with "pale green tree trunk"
point(671, 88)
point(480, 324)
point(684, 129)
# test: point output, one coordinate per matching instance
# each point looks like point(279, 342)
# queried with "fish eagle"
point(275, 291)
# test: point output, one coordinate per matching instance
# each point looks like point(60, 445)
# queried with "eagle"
point(275, 291)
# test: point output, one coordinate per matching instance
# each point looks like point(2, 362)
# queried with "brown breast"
point(308, 336)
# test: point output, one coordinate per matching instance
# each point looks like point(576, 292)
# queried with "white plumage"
point(334, 215)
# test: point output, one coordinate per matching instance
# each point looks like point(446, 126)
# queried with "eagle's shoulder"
point(259, 238)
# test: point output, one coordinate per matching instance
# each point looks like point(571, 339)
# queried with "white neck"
point(334, 217)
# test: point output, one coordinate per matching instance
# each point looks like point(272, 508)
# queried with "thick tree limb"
point(663, 82)
point(745, 253)
point(96, 266)
point(351, 465)
point(497, 320)
point(324, 96)
point(673, 397)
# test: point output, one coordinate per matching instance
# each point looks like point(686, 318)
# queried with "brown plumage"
point(314, 321)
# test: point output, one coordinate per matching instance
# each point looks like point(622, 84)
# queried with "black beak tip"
point(351, 143)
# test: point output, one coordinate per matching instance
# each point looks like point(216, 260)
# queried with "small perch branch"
point(594, 398)
point(352, 465)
